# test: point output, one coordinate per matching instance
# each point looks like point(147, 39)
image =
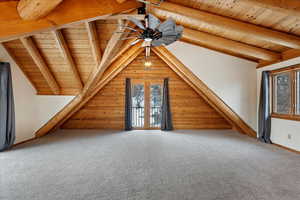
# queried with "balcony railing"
point(138, 117)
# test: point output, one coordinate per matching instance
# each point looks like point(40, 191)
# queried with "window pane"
point(138, 105)
point(155, 103)
point(298, 93)
point(282, 83)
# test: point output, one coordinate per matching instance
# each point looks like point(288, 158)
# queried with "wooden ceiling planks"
point(47, 45)
point(278, 15)
point(225, 27)
point(19, 53)
point(77, 39)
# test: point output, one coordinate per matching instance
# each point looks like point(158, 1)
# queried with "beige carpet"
point(140, 165)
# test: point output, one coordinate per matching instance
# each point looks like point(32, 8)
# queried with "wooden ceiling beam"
point(227, 46)
point(41, 64)
point(80, 100)
point(211, 98)
point(94, 41)
point(121, 1)
point(290, 7)
point(207, 22)
point(35, 9)
point(286, 55)
point(64, 49)
point(68, 12)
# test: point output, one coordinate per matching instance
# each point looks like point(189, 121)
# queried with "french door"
point(146, 104)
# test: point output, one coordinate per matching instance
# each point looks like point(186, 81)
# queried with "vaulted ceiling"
point(66, 52)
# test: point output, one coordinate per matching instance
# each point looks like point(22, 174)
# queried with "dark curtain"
point(7, 111)
point(128, 106)
point(166, 118)
point(264, 118)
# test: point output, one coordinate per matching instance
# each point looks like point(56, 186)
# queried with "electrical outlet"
point(289, 136)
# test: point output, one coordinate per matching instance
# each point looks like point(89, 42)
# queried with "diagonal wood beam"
point(227, 46)
point(63, 47)
point(211, 98)
point(35, 9)
point(207, 22)
point(106, 59)
point(94, 41)
point(41, 64)
point(80, 100)
point(68, 12)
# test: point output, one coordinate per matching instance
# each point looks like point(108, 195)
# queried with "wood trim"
point(286, 116)
point(25, 141)
point(286, 148)
point(35, 9)
point(41, 64)
point(68, 12)
point(94, 41)
point(80, 100)
point(292, 70)
point(211, 98)
point(196, 18)
point(64, 49)
point(227, 46)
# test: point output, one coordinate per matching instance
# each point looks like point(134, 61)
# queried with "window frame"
point(293, 81)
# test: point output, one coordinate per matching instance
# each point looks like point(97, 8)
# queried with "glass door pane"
point(155, 105)
point(138, 106)
point(283, 92)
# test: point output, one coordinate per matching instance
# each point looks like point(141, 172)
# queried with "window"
point(286, 93)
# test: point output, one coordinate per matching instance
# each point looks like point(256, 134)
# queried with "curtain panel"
point(166, 119)
point(264, 114)
point(128, 105)
point(7, 110)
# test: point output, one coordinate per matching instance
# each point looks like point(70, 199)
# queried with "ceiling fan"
point(152, 32)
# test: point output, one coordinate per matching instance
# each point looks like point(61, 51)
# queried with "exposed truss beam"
point(94, 41)
point(68, 12)
point(41, 64)
point(207, 94)
point(35, 9)
point(106, 59)
point(81, 99)
point(64, 49)
point(208, 22)
point(227, 46)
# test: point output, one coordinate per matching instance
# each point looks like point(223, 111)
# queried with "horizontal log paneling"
point(106, 109)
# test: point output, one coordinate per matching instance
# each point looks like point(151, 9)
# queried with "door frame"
point(147, 104)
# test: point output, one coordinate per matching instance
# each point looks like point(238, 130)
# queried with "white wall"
point(32, 111)
point(231, 78)
point(282, 128)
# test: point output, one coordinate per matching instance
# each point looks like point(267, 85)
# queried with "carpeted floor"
point(154, 165)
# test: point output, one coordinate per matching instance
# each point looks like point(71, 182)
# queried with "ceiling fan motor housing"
point(150, 33)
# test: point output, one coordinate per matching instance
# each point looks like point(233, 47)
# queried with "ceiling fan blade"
point(137, 22)
point(153, 21)
point(168, 25)
point(135, 42)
